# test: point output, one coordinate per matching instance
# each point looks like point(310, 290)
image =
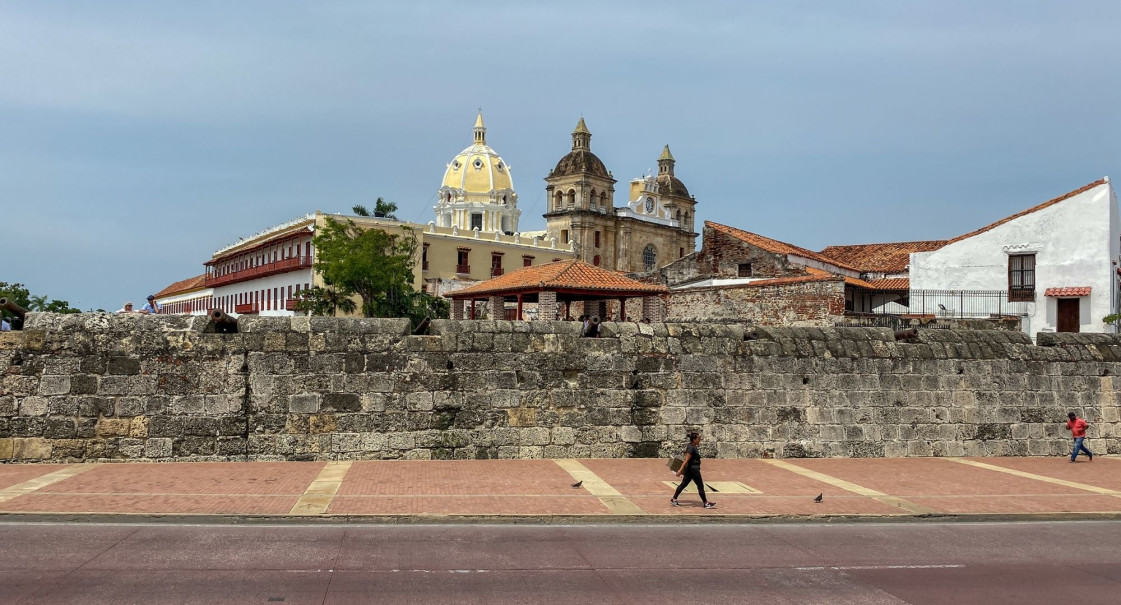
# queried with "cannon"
point(591, 328)
point(223, 323)
point(17, 311)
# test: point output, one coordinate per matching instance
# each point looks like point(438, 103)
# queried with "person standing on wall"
point(691, 471)
point(1077, 428)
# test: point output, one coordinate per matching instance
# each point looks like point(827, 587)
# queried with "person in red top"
point(1077, 428)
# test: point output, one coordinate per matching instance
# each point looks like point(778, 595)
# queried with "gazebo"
point(558, 282)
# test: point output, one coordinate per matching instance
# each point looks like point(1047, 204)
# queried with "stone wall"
point(797, 301)
point(101, 387)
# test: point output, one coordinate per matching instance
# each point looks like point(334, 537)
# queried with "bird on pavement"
point(578, 483)
point(819, 498)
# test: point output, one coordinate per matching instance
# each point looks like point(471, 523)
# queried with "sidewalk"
point(541, 490)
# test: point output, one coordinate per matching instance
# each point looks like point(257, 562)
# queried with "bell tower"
point(581, 193)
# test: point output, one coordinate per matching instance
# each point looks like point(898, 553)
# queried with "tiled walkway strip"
point(322, 490)
point(1064, 482)
point(896, 501)
point(31, 485)
point(609, 496)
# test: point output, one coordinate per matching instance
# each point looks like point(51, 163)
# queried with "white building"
point(1057, 262)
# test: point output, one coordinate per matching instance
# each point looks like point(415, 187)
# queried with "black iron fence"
point(964, 304)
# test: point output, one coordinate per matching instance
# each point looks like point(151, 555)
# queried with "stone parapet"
point(103, 387)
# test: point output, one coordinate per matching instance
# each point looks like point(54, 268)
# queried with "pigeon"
point(578, 483)
point(711, 489)
point(819, 498)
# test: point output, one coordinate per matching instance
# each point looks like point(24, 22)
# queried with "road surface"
point(867, 563)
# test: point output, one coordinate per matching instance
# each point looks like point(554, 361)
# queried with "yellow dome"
point(478, 169)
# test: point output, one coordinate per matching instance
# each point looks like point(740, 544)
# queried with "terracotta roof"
point(184, 285)
point(1068, 291)
point(1030, 210)
point(560, 275)
point(774, 245)
point(814, 276)
point(896, 283)
point(882, 258)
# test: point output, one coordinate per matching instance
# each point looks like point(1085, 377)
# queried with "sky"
point(136, 138)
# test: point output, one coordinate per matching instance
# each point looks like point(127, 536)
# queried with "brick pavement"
point(612, 488)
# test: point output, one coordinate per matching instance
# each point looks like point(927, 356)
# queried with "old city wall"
point(100, 387)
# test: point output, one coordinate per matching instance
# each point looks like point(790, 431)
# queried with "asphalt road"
point(867, 563)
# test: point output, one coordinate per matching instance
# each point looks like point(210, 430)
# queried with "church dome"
point(671, 185)
point(478, 169)
point(580, 160)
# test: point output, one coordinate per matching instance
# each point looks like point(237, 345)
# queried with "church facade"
point(475, 234)
point(653, 228)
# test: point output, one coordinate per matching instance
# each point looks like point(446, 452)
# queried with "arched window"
point(679, 216)
point(595, 260)
point(571, 198)
point(558, 200)
point(686, 219)
point(603, 200)
point(649, 257)
point(592, 199)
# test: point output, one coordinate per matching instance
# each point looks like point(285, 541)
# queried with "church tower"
point(581, 193)
point(478, 190)
point(676, 198)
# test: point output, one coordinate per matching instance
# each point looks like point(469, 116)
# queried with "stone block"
point(54, 385)
point(159, 447)
point(33, 406)
point(305, 403)
point(33, 448)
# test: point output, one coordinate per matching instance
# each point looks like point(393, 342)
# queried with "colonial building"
point(1056, 264)
point(473, 238)
point(654, 228)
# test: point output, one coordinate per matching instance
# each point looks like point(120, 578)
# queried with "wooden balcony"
point(280, 266)
point(464, 269)
point(251, 308)
point(495, 271)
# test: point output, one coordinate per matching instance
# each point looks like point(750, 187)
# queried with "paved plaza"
point(610, 489)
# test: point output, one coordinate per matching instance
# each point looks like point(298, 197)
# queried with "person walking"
point(691, 471)
point(1077, 428)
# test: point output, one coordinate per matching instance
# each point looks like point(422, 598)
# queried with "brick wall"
point(101, 387)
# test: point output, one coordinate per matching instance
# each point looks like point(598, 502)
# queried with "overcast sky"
point(136, 138)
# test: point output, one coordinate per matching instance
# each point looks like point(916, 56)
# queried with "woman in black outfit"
point(691, 470)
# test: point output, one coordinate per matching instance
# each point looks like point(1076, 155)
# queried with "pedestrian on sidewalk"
point(1077, 428)
point(691, 471)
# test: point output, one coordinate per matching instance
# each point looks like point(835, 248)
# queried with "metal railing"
point(963, 304)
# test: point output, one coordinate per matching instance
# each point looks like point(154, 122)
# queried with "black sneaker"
point(710, 505)
point(674, 502)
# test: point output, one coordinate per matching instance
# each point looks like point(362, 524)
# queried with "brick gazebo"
point(558, 282)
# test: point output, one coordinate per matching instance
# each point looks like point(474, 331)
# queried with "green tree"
point(382, 209)
point(20, 295)
point(377, 266)
point(324, 301)
point(37, 303)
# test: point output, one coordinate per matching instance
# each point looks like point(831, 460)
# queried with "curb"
point(420, 519)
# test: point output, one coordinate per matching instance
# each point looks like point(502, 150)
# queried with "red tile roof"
point(557, 276)
point(896, 283)
point(774, 245)
point(1046, 204)
point(880, 258)
point(185, 285)
point(1068, 291)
